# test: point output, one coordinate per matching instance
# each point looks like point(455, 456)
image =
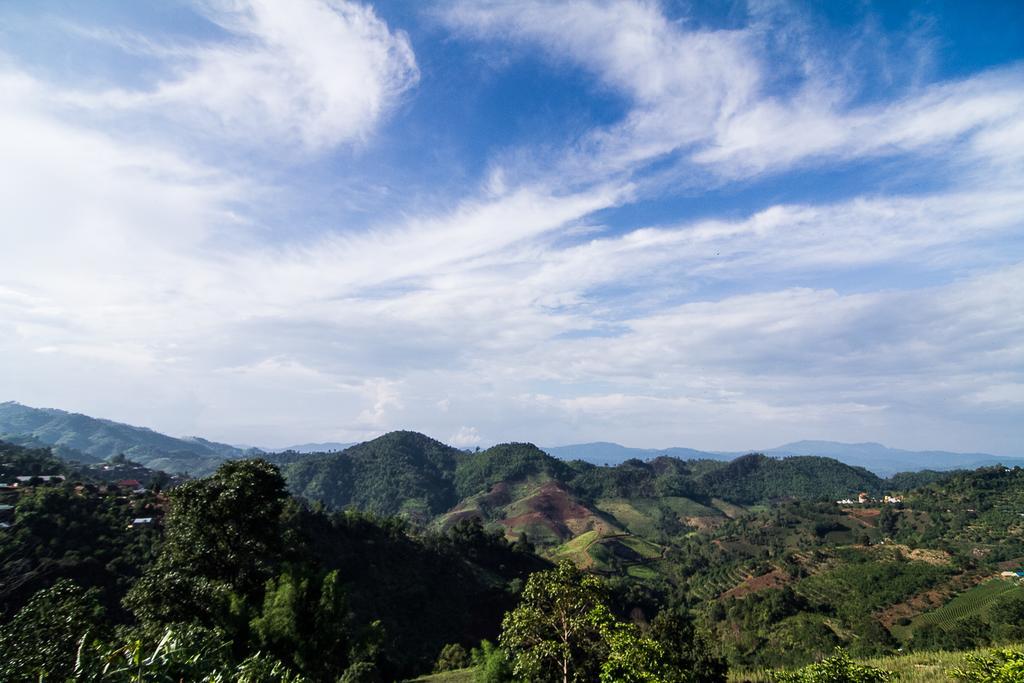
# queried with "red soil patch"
point(552, 507)
point(553, 501)
point(773, 579)
point(866, 516)
point(1011, 565)
point(498, 495)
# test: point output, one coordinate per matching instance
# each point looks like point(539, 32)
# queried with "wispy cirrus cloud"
point(713, 94)
point(315, 73)
point(148, 281)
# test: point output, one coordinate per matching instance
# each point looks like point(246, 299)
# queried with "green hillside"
point(80, 437)
point(757, 478)
point(400, 472)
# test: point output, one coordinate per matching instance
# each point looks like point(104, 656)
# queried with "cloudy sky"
point(718, 225)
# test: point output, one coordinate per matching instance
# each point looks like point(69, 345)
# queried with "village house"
point(45, 478)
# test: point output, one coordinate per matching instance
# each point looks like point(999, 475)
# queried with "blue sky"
point(718, 225)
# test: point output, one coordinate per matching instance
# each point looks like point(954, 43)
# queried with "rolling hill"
point(522, 489)
point(881, 460)
point(74, 436)
point(887, 461)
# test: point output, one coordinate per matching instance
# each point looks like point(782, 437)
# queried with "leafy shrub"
point(1003, 666)
point(492, 664)
point(838, 668)
point(40, 641)
point(361, 672)
point(453, 656)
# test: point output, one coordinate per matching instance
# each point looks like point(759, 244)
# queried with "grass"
point(460, 676)
point(644, 573)
point(916, 667)
point(643, 516)
point(646, 549)
point(635, 520)
point(576, 549)
point(730, 510)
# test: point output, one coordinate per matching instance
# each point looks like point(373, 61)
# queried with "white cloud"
point(775, 133)
point(713, 94)
point(466, 436)
point(318, 72)
point(680, 81)
point(131, 271)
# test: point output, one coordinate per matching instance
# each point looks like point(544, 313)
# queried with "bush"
point(838, 668)
point(41, 640)
point(492, 664)
point(361, 672)
point(453, 656)
point(1003, 666)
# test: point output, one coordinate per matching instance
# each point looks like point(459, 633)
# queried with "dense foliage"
point(243, 569)
point(399, 472)
point(689, 564)
point(838, 668)
point(564, 630)
point(1005, 666)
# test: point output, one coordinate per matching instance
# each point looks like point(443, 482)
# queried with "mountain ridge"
point(77, 436)
point(100, 439)
point(878, 458)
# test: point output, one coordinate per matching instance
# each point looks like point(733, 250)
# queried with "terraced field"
point(718, 582)
point(974, 601)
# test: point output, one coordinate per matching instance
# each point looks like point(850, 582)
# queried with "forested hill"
point(406, 472)
point(229, 567)
point(756, 478)
point(398, 472)
point(74, 436)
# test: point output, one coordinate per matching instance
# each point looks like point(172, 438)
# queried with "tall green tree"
point(632, 657)
point(225, 538)
point(555, 632)
point(306, 621)
point(687, 655)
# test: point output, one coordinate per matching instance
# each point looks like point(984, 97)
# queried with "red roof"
point(132, 483)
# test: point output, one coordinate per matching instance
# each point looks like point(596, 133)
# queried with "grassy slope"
point(460, 676)
point(917, 667)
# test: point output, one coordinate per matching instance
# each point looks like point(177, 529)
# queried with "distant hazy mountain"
point(80, 437)
point(325, 447)
point(887, 461)
point(879, 459)
point(607, 453)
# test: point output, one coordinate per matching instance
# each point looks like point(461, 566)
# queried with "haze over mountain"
point(322, 447)
point(886, 461)
point(80, 437)
point(881, 460)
